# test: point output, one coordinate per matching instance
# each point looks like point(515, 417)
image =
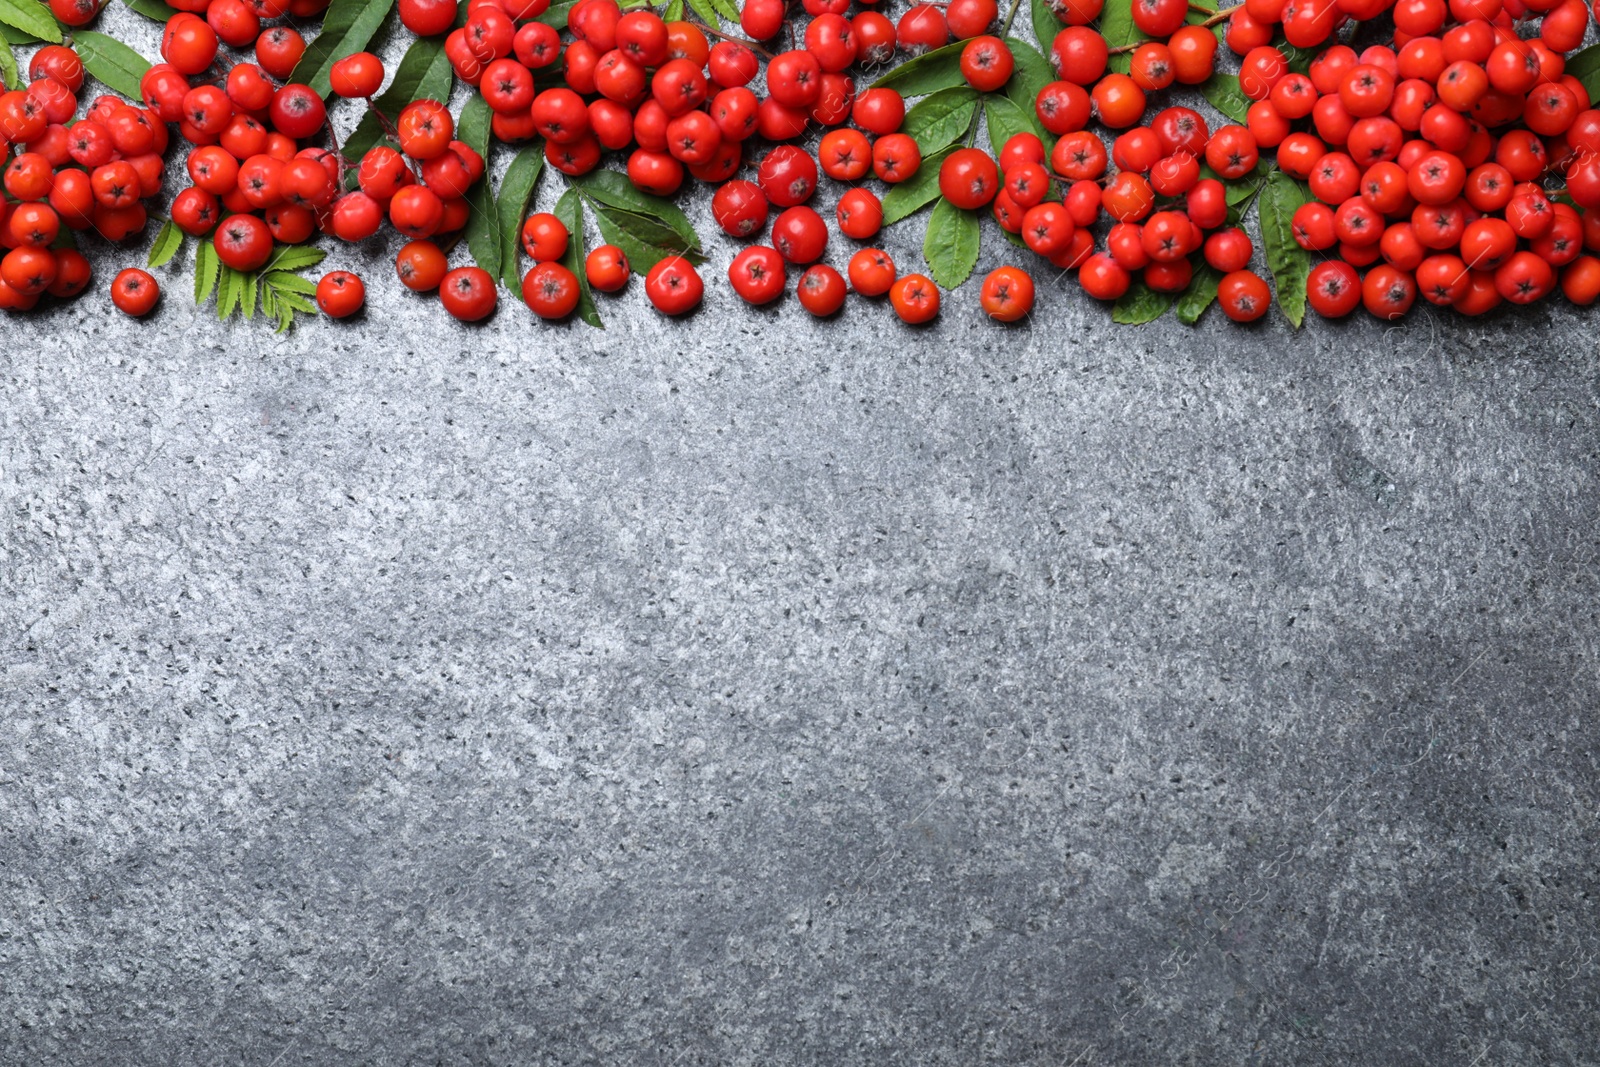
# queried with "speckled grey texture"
point(752, 690)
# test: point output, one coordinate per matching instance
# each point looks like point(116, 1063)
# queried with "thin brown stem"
point(713, 31)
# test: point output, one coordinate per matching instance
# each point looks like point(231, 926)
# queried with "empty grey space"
point(753, 690)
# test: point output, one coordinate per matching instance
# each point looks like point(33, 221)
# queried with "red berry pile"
point(1385, 148)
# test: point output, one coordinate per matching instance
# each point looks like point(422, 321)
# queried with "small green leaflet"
point(347, 28)
point(1299, 58)
point(1004, 121)
point(230, 290)
point(1201, 293)
point(727, 8)
point(644, 240)
point(569, 209)
point(32, 18)
point(707, 11)
point(150, 9)
point(424, 73)
point(1139, 305)
point(915, 193)
point(1032, 74)
point(9, 75)
point(941, 119)
point(556, 14)
point(516, 189)
point(110, 62)
point(951, 245)
point(294, 257)
point(206, 266)
point(166, 245)
point(1585, 66)
point(1118, 28)
point(1280, 198)
point(284, 294)
point(1223, 91)
point(1045, 23)
point(928, 73)
point(611, 187)
point(472, 128)
point(674, 11)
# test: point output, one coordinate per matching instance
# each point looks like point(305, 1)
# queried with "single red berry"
point(134, 292)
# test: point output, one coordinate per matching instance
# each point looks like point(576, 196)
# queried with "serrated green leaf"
point(610, 187)
point(229, 289)
point(294, 257)
point(348, 27)
point(10, 77)
point(1139, 305)
point(928, 73)
point(1119, 30)
point(941, 119)
point(951, 245)
point(516, 189)
point(1223, 91)
point(285, 318)
point(109, 61)
point(569, 209)
point(288, 284)
point(206, 268)
point(727, 9)
point(706, 11)
point(674, 11)
point(916, 192)
point(644, 240)
point(165, 246)
point(1585, 66)
point(1045, 24)
point(1201, 293)
point(424, 73)
point(156, 10)
point(1032, 74)
point(556, 14)
point(1005, 120)
point(482, 232)
point(269, 301)
point(32, 18)
point(247, 301)
point(1281, 196)
point(472, 129)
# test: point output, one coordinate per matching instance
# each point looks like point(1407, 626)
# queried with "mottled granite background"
point(755, 691)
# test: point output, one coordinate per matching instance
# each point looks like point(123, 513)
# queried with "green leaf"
point(1585, 66)
point(706, 11)
point(1139, 305)
point(916, 192)
point(109, 61)
point(166, 245)
point(32, 18)
point(569, 209)
point(1045, 24)
point(206, 268)
point(472, 129)
point(9, 75)
point(1118, 28)
point(482, 232)
point(347, 28)
point(65, 238)
point(248, 301)
point(951, 245)
point(150, 9)
point(1223, 91)
point(288, 284)
point(674, 11)
point(1032, 74)
point(941, 119)
point(1299, 58)
point(516, 189)
point(424, 73)
point(1199, 296)
point(294, 257)
point(556, 14)
point(269, 303)
point(727, 9)
point(611, 187)
point(229, 291)
point(1280, 198)
point(1005, 119)
point(643, 240)
point(1014, 238)
point(928, 73)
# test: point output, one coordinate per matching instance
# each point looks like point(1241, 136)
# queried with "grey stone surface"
point(757, 691)
point(753, 690)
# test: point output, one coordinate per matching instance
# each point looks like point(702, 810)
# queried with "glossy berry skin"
point(607, 269)
point(1007, 294)
point(356, 76)
point(872, 272)
point(1333, 289)
point(758, 274)
point(915, 299)
point(468, 293)
point(550, 290)
point(134, 292)
point(421, 266)
point(740, 208)
point(986, 63)
point(340, 294)
point(673, 285)
point(243, 242)
point(821, 290)
point(297, 111)
point(1243, 296)
point(859, 214)
point(969, 178)
point(788, 176)
point(800, 235)
point(544, 237)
